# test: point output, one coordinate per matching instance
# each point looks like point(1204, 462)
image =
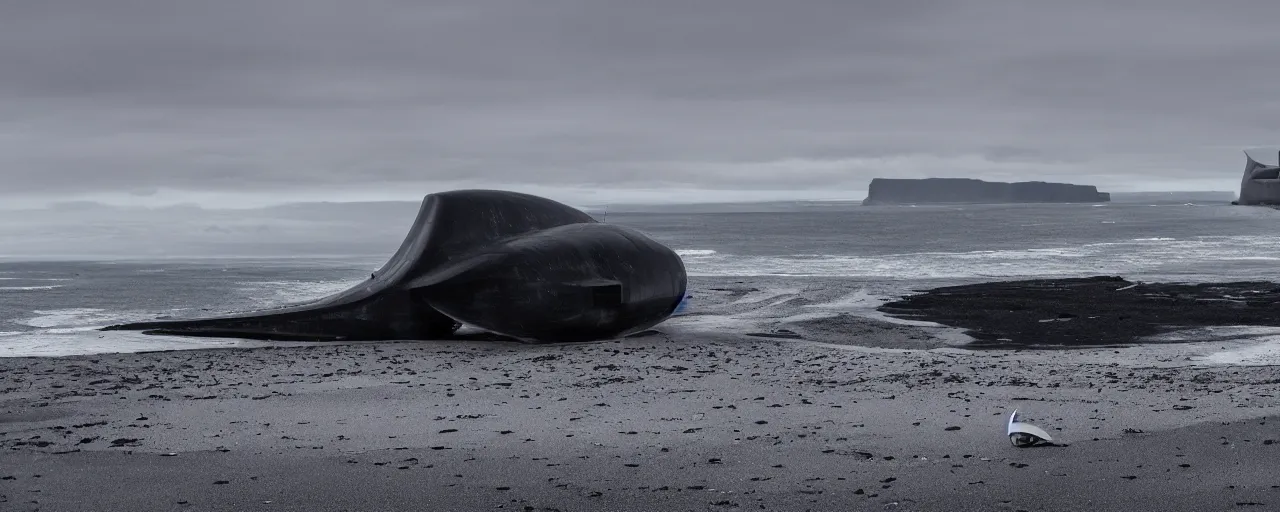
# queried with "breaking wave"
point(1137, 256)
point(80, 318)
point(280, 292)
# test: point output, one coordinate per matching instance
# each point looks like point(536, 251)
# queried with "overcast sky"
point(246, 102)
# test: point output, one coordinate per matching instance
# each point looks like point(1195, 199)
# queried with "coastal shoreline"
point(669, 421)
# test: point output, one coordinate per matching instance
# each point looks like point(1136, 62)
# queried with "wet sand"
point(677, 421)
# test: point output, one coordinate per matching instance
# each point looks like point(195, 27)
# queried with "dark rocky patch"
point(780, 333)
point(1088, 312)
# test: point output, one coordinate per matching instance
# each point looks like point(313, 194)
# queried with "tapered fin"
point(1250, 165)
point(253, 334)
point(1025, 434)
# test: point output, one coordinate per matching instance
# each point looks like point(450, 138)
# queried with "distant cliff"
point(963, 190)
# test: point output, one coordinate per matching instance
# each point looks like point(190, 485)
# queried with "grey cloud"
point(141, 98)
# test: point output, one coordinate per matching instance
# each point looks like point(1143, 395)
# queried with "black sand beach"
point(662, 422)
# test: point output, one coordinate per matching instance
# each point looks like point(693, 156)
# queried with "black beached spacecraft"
point(513, 264)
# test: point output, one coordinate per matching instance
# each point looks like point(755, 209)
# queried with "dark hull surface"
point(509, 263)
point(1260, 184)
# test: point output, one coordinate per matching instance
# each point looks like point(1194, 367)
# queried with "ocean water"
point(746, 267)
